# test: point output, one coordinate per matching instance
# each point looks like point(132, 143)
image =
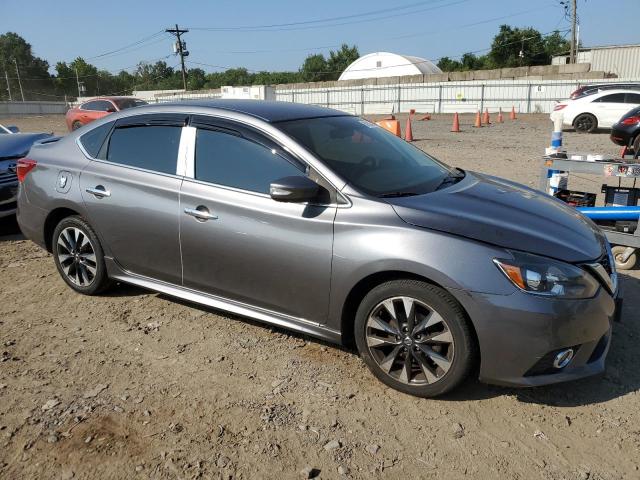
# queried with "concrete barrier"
point(8, 109)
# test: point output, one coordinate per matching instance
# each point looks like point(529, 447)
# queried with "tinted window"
point(98, 105)
point(124, 103)
point(633, 98)
point(93, 139)
point(233, 161)
point(367, 156)
point(154, 148)
point(613, 98)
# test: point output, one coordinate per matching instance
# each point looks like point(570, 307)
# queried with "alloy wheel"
point(77, 256)
point(409, 341)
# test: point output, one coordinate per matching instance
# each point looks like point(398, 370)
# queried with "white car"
point(600, 110)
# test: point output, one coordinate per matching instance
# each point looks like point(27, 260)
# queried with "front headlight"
point(544, 276)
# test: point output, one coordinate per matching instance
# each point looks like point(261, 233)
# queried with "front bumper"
point(8, 193)
point(518, 333)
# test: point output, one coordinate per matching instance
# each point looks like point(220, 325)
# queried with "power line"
point(309, 27)
point(138, 42)
point(309, 22)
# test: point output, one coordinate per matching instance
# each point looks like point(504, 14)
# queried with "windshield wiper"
point(451, 178)
point(397, 194)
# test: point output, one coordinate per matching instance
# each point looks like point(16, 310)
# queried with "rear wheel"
point(76, 125)
point(78, 256)
point(414, 337)
point(636, 146)
point(585, 123)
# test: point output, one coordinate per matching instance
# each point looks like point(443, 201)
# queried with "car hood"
point(18, 144)
point(506, 214)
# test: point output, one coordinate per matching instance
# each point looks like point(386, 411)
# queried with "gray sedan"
point(321, 222)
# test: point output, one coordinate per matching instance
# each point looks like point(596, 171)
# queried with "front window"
point(369, 157)
point(124, 103)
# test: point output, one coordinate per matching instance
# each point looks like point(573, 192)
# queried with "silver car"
point(321, 222)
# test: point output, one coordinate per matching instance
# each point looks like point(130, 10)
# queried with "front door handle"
point(99, 191)
point(201, 213)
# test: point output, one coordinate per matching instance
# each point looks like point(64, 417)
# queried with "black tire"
point(76, 125)
point(585, 123)
point(463, 346)
point(84, 271)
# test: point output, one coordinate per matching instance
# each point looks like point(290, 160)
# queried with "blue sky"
point(429, 29)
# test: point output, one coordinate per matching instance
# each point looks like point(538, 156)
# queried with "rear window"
point(92, 140)
point(124, 103)
point(150, 147)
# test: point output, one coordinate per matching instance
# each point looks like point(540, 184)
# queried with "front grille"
point(8, 177)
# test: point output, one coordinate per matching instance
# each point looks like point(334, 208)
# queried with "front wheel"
point(78, 256)
point(585, 123)
point(415, 338)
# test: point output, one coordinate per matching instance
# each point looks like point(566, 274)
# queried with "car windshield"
point(370, 158)
point(124, 103)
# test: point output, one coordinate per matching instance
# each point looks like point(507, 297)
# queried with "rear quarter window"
point(93, 140)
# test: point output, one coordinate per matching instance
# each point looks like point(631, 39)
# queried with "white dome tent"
point(385, 64)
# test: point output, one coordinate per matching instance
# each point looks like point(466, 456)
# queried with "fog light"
point(563, 358)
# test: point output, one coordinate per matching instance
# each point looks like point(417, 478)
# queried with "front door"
point(239, 243)
point(132, 196)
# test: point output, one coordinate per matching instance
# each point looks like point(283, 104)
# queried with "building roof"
point(269, 111)
point(387, 64)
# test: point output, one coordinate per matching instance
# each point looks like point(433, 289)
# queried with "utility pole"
point(181, 50)
point(80, 86)
point(19, 82)
point(574, 44)
point(6, 76)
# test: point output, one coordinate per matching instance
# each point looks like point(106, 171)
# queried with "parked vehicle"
point(599, 110)
point(98, 108)
point(590, 89)
point(13, 147)
point(626, 132)
point(317, 221)
point(8, 129)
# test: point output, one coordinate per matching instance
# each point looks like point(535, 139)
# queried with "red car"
point(98, 108)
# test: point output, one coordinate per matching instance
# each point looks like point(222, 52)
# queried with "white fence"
point(443, 97)
point(32, 108)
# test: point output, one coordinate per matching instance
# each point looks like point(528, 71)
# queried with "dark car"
point(626, 132)
point(321, 222)
point(12, 148)
point(590, 89)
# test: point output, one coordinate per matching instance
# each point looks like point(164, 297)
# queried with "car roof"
point(269, 111)
point(602, 93)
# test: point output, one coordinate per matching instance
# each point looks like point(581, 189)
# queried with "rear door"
point(251, 248)
point(94, 110)
point(131, 191)
point(609, 108)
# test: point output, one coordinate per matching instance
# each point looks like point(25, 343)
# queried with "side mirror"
point(294, 189)
point(110, 110)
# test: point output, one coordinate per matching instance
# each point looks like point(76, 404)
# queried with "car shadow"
point(9, 229)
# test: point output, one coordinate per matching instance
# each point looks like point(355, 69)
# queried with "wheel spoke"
point(379, 324)
point(405, 372)
point(89, 257)
point(391, 308)
point(91, 269)
point(442, 337)
point(63, 257)
point(376, 341)
point(64, 243)
point(438, 359)
point(409, 312)
point(426, 369)
point(389, 360)
point(432, 319)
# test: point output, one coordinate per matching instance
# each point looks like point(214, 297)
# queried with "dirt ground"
point(134, 384)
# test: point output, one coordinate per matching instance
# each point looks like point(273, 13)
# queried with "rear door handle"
point(99, 191)
point(201, 213)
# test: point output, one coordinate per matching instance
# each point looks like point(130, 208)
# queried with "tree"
point(555, 44)
point(314, 68)
point(339, 60)
point(34, 71)
point(513, 47)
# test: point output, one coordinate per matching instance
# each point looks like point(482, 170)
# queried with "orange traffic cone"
point(456, 123)
point(500, 117)
point(512, 115)
point(485, 118)
point(408, 134)
point(478, 123)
